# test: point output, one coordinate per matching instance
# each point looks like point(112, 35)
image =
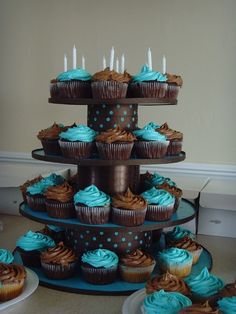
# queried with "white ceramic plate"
point(31, 284)
point(132, 304)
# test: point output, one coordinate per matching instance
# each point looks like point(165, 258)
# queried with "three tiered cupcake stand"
point(111, 176)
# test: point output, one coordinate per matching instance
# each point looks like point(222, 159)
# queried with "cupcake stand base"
point(83, 237)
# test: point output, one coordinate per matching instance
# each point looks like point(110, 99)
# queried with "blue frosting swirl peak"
point(74, 74)
point(227, 305)
point(175, 256)
point(91, 196)
point(41, 186)
point(34, 241)
point(158, 197)
point(100, 258)
point(80, 133)
point(146, 75)
point(6, 256)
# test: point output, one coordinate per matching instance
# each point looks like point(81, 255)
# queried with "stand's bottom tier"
point(119, 287)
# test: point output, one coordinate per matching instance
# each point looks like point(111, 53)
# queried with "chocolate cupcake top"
point(51, 133)
point(6, 256)
point(128, 201)
point(165, 302)
point(177, 192)
point(204, 284)
point(227, 305)
point(188, 244)
point(78, 133)
point(147, 75)
point(228, 291)
point(167, 282)
point(34, 241)
point(91, 196)
point(137, 258)
point(74, 74)
point(59, 254)
point(24, 186)
point(170, 133)
point(115, 135)
point(158, 197)
point(11, 273)
point(199, 308)
point(62, 193)
point(107, 75)
point(100, 258)
point(174, 79)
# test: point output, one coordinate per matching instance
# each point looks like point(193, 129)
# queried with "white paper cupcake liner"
point(159, 212)
point(109, 89)
point(128, 218)
point(136, 274)
point(77, 150)
point(176, 269)
point(116, 151)
point(151, 149)
point(92, 215)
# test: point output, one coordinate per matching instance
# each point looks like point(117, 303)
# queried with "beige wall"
point(198, 38)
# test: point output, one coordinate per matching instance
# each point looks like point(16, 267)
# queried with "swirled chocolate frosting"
point(170, 133)
point(115, 135)
point(174, 79)
point(137, 258)
point(188, 244)
point(59, 254)
point(177, 192)
point(228, 291)
point(11, 273)
point(128, 201)
point(62, 193)
point(51, 133)
point(167, 282)
point(107, 75)
point(199, 308)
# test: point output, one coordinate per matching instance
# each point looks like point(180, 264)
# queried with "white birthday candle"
point(122, 69)
point(149, 59)
point(104, 63)
point(74, 56)
point(117, 65)
point(164, 64)
point(65, 63)
point(83, 62)
point(112, 58)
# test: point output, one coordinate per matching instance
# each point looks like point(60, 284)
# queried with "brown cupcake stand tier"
point(110, 176)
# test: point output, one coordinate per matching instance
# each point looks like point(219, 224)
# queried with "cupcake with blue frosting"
point(204, 285)
point(176, 261)
point(99, 266)
point(30, 246)
point(77, 142)
point(150, 143)
point(176, 234)
point(72, 84)
point(148, 83)
point(227, 305)
point(92, 205)
point(165, 303)
point(35, 192)
point(160, 204)
point(6, 256)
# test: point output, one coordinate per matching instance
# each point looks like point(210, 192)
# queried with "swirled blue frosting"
point(158, 197)
point(146, 75)
point(80, 133)
point(100, 258)
point(74, 74)
point(150, 135)
point(204, 284)
point(157, 179)
point(6, 256)
point(55, 228)
point(161, 302)
point(179, 233)
point(34, 241)
point(41, 186)
point(91, 196)
point(227, 305)
point(174, 256)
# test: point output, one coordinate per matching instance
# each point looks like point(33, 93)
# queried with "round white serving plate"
point(31, 284)
point(132, 304)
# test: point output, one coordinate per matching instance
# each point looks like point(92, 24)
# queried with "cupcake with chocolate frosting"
point(92, 205)
point(176, 234)
point(109, 84)
point(193, 247)
point(59, 201)
point(128, 209)
point(25, 185)
point(115, 144)
point(175, 138)
point(199, 308)
point(167, 282)
point(58, 262)
point(12, 279)
point(175, 82)
point(136, 266)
